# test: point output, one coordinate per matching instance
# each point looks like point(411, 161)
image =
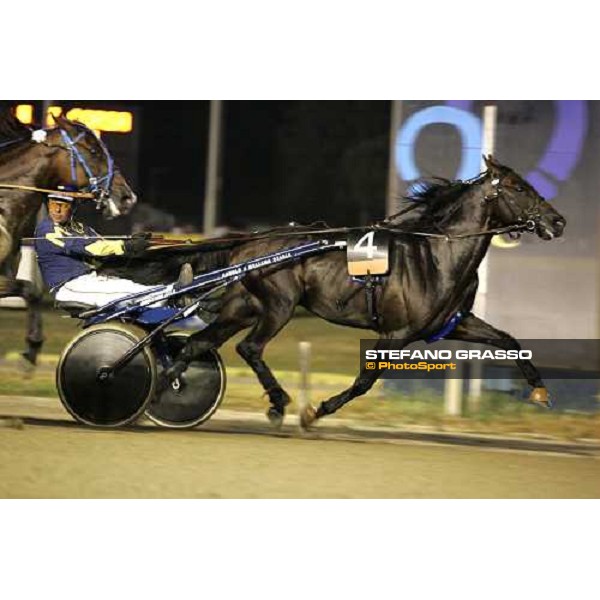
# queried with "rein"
point(517, 227)
point(156, 241)
point(30, 188)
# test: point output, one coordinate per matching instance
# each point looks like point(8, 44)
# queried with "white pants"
point(97, 290)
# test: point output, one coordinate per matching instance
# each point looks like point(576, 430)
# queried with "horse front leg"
point(33, 295)
point(474, 329)
point(362, 384)
point(35, 334)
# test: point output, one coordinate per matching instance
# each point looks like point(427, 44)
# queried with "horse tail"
point(211, 260)
point(6, 240)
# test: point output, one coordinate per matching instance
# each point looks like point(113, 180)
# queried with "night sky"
point(282, 160)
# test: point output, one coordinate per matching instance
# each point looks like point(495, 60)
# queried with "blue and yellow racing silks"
point(62, 250)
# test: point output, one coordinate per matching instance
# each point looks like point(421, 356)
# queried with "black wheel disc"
point(200, 392)
point(124, 395)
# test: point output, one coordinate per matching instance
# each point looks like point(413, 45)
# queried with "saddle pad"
point(368, 253)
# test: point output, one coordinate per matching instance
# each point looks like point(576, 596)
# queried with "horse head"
point(82, 159)
point(516, 202)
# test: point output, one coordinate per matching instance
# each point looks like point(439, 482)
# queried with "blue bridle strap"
point(100, 186)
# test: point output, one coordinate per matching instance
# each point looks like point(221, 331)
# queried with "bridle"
point(526, 220)
point(99, 187)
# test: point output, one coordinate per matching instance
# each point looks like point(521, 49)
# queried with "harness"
point(369, 283)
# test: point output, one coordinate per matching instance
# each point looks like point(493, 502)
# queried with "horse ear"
point(490, 163)
point(62, 122)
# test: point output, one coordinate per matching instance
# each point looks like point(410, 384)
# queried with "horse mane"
point(430, 203)
point(11, 128)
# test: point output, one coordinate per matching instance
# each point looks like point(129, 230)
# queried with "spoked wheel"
point(196, 396)
point(122, 397)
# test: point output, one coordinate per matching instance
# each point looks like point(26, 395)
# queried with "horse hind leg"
point(251, 348)
point(236, 314)
point(361, 385)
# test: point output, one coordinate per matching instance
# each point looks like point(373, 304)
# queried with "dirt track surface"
point(54, 458)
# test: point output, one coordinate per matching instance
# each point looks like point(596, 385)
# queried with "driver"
point(64, 246)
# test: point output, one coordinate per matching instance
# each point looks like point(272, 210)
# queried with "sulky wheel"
point(197, 397)
point(123, 396)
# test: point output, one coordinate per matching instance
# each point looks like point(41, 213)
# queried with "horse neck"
point(472, 216)
point(27, 164)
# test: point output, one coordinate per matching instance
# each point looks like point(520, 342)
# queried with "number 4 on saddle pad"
point(368, 253)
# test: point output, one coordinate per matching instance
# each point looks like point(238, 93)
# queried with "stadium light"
point(111, 121)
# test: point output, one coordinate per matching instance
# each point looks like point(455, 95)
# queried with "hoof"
point(26, 367)
point(275, 417)
point(539, 396)
point(308, 415)
point(30, 357)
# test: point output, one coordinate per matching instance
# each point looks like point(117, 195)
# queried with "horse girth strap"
point(369, 284)
point(30, 188)
point(370, 287)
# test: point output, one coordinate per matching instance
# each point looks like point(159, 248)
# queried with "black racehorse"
point(438, 242)
point(68, 154)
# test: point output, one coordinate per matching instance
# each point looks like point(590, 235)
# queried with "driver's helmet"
point(64, 197)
